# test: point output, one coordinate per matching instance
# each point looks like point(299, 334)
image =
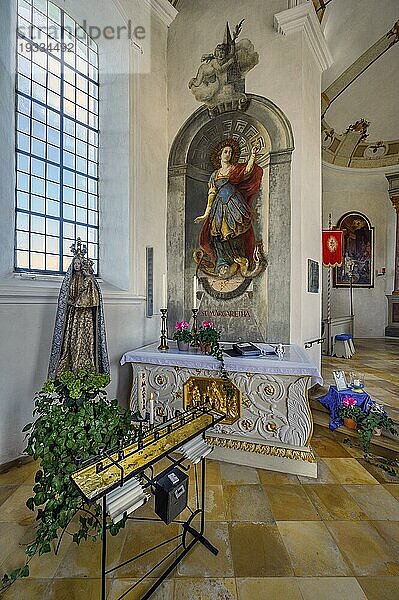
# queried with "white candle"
point(164, 292)
point(151, 408)
point(195, 292)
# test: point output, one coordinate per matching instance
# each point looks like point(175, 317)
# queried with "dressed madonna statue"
point(79, 333)
point(227, 239)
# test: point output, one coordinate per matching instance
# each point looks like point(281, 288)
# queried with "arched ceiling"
point(351, 27)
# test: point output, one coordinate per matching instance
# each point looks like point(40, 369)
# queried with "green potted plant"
point(373, 423)
point(350, 412)
point(74, 422)
point(208, 339)
point(182, 335)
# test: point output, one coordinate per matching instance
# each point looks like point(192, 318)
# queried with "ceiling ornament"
point(352, 149)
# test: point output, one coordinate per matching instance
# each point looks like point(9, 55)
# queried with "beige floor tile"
point(393, 488)
point(200, 562)
point(276, 478)
point(74, 589)
point(6, 491)
point(363, 547)
point(349, 470)
point(247, 503)
point(85, 560)
point(40, 567)
point(330, 588)
point(140, 537)
point(21, 474)
point(258, 551)
point(10, 536)
point(290, 503)
point(236, 474)
point(375, 501)
point(379, 474)
point(214, 502)
point(380, 588)
point(389, 531)
point(205, 589)
point(328, 448)
point(312, 549)
point(120, 586)
point(213, 472)
point(268, 588)
point(324, 475)
point(333, 502)
point(14, 509)
point(28, 589)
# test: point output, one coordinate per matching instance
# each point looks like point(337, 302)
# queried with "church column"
point(393, 190)
point(393, 299)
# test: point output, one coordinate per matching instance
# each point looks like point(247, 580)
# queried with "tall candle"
point(151, 408)
point(164, 292)
point(195, 292)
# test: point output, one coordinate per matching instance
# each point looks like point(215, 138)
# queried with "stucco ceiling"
point(351, 27)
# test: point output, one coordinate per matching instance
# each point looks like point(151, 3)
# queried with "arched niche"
point(189, 169)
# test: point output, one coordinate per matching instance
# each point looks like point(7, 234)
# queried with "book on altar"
point(246, 349)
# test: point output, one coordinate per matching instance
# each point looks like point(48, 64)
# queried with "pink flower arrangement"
point(349, 401)
point(207, 325)
point(182, 333)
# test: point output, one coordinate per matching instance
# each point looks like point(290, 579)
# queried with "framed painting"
point(358, 249)
point(313, 276)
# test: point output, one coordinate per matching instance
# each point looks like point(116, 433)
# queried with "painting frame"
point(313, 276)
point(358, 252)
point(340, 380)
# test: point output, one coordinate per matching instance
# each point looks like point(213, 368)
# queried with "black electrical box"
point(171, 488)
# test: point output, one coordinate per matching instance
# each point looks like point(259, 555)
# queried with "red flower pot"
point(350, 423)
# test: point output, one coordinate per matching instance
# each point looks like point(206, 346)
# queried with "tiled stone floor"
point(280, 537)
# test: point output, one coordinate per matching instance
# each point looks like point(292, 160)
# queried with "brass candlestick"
point(163, 342)
point(194, 329)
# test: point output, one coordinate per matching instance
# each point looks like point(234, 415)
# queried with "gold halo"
point(216, 152)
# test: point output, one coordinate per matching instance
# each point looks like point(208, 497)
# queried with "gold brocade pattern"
point(79, 340)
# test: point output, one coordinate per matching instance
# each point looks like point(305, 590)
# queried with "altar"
point(268, 420)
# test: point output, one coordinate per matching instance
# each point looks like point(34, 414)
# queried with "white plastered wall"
point(346, 190)
point(287, 74)
point(133, 159)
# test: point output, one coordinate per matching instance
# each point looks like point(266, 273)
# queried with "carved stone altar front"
point(271, 429)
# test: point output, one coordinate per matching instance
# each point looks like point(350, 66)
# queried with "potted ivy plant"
point(74, 422)
point(373, 423)
point(350, 412)
point(182, 335)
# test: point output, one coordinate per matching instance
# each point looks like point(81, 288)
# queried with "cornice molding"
point(303, 18)
point(164, 10)
point(357, 171)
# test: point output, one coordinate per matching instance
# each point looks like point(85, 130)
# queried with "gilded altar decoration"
point(197, 391)
point(229, 256)
point(220, 80)
point(265, 449)
point(79, 338)
point(357, 267)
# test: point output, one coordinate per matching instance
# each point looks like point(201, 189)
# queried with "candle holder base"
point(163, 345)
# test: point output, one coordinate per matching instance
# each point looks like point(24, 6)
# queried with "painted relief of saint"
point(227, 239)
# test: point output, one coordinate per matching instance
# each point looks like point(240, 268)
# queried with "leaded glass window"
point(56, 139)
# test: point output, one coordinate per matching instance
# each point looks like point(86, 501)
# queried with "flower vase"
point(377, 431)
point(182, 346)
point(350, 423)
point(205, 347)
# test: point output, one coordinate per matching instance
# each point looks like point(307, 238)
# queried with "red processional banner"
point(332, 247)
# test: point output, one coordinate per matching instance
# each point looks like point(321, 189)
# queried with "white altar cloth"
point(294, 362)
